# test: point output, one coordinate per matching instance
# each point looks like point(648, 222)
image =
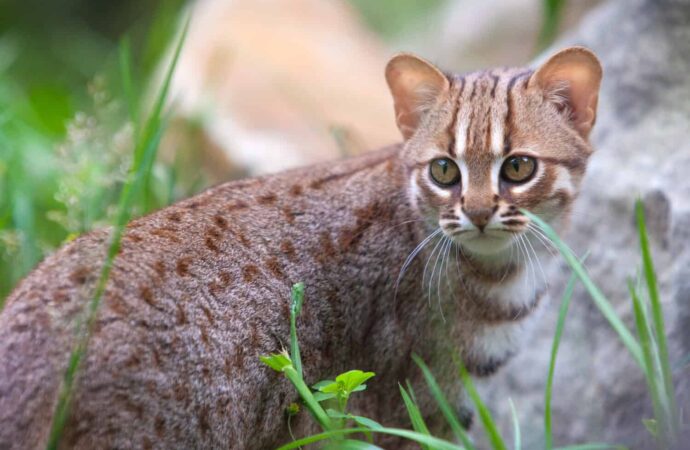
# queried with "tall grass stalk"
point(658, 319)
point(600, 300)
point(560, 325)
point(144, 154)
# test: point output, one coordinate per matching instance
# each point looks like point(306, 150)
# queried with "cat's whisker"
point(426, 265)
point(444, 251)
point(536, 256)
point(411, 257)
point(542, 238)
point(440, 246)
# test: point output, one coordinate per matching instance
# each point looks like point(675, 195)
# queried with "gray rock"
point(643, 150)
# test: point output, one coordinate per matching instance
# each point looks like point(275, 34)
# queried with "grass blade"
point(423, 439)
point(657, 317)
point(447, 411)
point(144, 154)
point(560, 324)
point(655, 386)
point(517, 438)
point(595, 293)
point(416, 418)
point(296, 299)
point(490, 427)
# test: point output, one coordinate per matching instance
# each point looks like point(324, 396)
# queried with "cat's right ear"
point(415, 85)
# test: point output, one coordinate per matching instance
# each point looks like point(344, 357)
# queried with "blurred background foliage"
point(66, 112)
point(65, 137)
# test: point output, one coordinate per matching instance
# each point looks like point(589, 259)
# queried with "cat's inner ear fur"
point(571, 80)
point(416, 85)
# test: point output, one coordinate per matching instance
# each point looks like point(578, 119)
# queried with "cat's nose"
point(480, 217)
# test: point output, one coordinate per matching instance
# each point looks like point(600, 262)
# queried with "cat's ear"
point(571, 79)
point(415, 85)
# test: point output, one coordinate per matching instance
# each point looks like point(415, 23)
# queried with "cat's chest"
point(502, 315)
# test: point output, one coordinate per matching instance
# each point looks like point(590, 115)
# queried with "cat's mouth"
point(484, 242)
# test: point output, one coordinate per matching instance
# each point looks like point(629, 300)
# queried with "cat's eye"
point(444, 171)
point(518, 169)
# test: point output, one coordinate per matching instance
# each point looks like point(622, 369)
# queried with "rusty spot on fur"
point(181, 392)
point(289, 215)
point(159, 267)
point(146, 443)
point(366, 217)
point(118, 305)
point(220, 221)
point(175, 216)
point(166, 233)
point(239, 358)
point(240, 237)
point(326, 250)
point(296, 190)
point(267, 199)
point(207, 313)
point(181, 315)
point(203, 419)
point(239, 204)
point(253, 336)
point(182, 266)
point(133, 361)
point(147, 295)
point(195, 204)
point(249, 272)
point(134, 237)
point(273, 265)
point(80, 275)
point(204, 334)
point(225, 278)
point(159, 426)
point(211, 244)
point(288, 248)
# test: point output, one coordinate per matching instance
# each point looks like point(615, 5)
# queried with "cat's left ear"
point(415, 85)
point(571, 78)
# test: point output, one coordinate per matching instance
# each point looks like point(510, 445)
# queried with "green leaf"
point(278, 361)
point(650, 425)
point(352, 379)
point(416, 418)
point(320, 384)
point(322, 396)
point(369, 423)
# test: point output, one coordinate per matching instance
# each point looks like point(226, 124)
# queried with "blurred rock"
point(471, 34)
point(642, 151)
point(276, 84)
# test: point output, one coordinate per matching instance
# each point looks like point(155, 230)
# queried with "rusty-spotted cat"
point(416, 248)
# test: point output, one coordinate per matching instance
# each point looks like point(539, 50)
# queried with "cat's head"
point(480, 146)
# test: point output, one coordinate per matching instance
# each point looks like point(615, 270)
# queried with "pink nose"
point(480, 217)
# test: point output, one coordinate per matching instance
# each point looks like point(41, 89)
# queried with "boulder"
point(642, 151)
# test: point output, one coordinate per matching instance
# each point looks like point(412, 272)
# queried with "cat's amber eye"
point(444, 171)
point(518, 169)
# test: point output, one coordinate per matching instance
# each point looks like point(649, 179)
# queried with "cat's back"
point(196, 293)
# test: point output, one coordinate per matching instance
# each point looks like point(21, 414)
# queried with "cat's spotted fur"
point(200, 289)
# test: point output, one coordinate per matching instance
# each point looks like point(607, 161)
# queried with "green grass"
point(144, 156)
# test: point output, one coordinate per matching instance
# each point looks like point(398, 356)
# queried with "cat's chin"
point(487, 245)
